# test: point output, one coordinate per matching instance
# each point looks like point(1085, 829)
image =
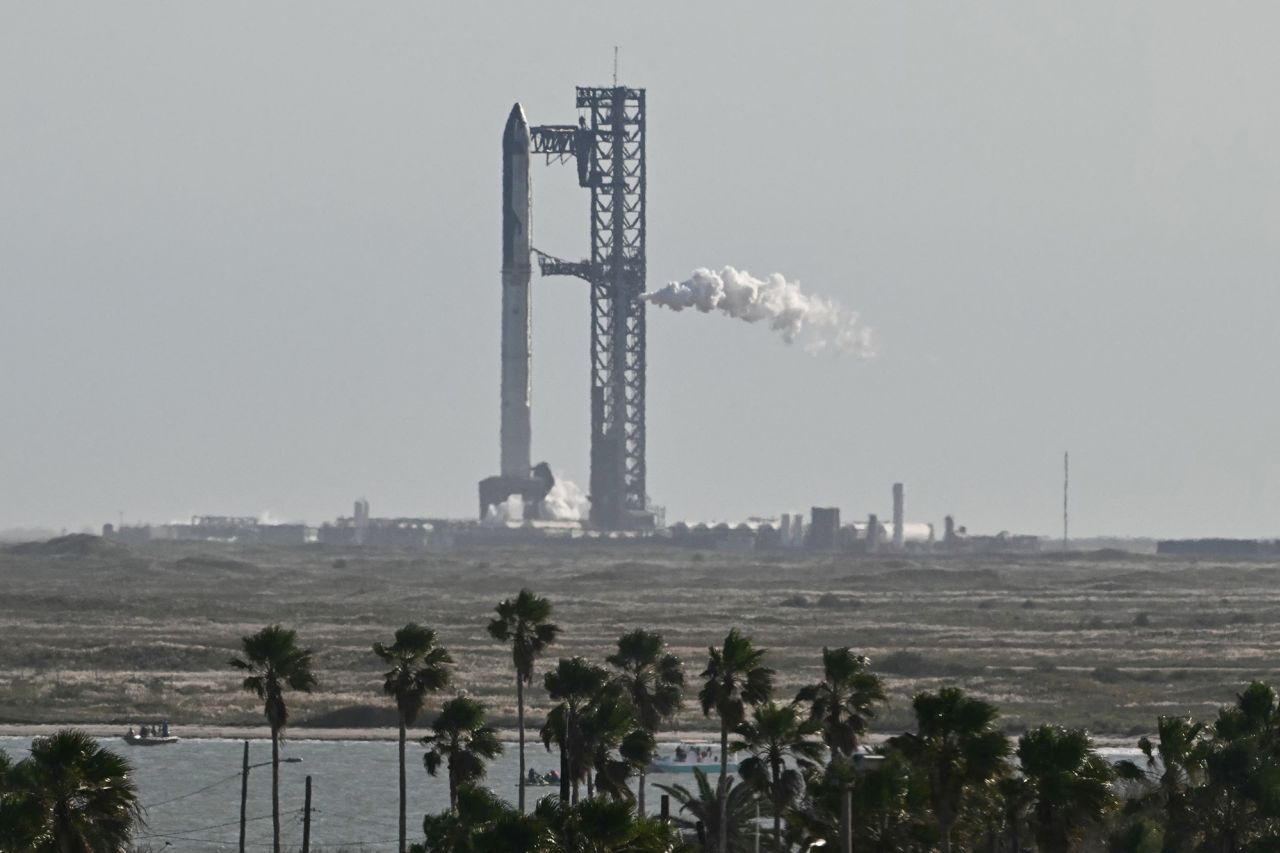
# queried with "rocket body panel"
point(516, 430)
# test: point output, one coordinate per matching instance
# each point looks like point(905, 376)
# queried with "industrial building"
point(213, 528)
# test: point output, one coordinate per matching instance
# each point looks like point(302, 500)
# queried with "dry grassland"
point(1104, 640)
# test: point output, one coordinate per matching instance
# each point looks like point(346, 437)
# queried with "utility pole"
point(245, 767)
point(244, 792)
point(306, 820)
point(1066, 490)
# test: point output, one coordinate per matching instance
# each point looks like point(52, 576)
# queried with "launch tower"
point(608, 148)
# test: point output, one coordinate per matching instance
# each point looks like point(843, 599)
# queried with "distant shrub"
point(698, 557)
point(904, 663)
point(1142, 620)
point(64, 690)
point(832, 601)
point(1028, 605)
point(339, 563)
point(796, 601)
point(1219, 620)
point(1107, 675)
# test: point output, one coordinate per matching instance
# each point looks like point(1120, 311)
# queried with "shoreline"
point(373, 734)
point(294, 732)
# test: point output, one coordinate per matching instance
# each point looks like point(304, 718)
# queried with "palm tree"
point(574, 683)
point(274, 662)
point(734, 678)
point(722, 817)
point(16, 832)
point(522, 622)
point(775, 735)
point(844, 700)
point(481, 821)
point(71, 796)
point(958, 748)
point(600, 826)
point(888, 804)
point(463, 742)
point(419, 664)
point(608, 725)
point(1175, 764)
point(1072, 785)
point(1237, 800)
point(654, 681)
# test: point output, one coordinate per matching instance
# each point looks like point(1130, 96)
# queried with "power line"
point(235, 822)
point(192, 793)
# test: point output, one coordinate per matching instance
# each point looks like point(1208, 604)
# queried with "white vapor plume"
point(512, 509)
point(818, 324)
point(566, 502)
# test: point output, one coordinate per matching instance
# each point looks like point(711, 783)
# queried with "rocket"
point(516, 322)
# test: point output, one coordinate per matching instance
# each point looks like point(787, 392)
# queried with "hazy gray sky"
point(249, 256)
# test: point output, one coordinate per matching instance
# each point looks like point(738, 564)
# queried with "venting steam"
point(565, 502)
point(818, 324)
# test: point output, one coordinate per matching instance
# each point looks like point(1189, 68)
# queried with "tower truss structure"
point(608, 147)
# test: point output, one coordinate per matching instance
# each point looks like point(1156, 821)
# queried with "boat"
point(139, 740)
point(157, 735)
point(687, 757)
point(543, 782)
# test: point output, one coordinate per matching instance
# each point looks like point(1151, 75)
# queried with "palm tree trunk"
point(571, 736)
point(640, 794)
point(777, 822)
point(775, 773)
point(275, 790)
point(722, 830)
point(567, 750)
point(520, 727)
point(62, 828)
point(564, 773)
point(403, 794)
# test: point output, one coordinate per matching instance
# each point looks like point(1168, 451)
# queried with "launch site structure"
point(608, 147)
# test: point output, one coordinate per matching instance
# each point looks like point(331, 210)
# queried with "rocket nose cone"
point(515, 137)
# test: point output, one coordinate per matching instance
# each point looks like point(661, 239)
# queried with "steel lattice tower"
point(608, 145)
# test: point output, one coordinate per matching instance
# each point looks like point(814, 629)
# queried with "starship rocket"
point(516, 328)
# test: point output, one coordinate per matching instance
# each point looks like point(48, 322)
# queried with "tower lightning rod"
point(615, 66)
point(1066, 486)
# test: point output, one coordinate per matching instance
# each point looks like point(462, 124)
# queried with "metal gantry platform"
point(608, 148)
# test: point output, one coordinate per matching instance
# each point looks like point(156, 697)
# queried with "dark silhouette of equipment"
point(532, 490)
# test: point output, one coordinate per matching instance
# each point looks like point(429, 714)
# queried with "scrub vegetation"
point(97, 633)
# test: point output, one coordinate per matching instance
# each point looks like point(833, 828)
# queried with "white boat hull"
point(139, 740)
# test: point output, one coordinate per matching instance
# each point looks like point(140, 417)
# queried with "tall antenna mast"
point(615, 66)
point(1066, 491)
